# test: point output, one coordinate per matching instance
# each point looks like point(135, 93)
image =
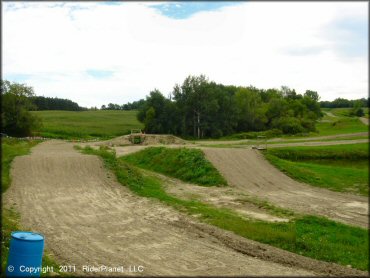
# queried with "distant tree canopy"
point(345, 103)
point(128, 106)
point(16, 103)
point(200, 108)
point(53, 103)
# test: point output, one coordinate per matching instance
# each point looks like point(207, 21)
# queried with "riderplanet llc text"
point(112, 269)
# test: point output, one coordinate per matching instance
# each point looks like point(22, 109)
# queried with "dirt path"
point(364, 120)
point(247, 170)
point(89, 219)
point(317, 138)
point(322, 143)
point(330, 114)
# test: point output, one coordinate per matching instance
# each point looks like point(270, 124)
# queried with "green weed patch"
point(189, 165)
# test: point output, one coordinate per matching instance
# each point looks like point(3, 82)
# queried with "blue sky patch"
point(99, 73)
point(185, 9)
point(350, 34)
point(17, 77)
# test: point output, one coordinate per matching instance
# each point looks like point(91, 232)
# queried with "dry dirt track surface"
point(89, 219)
point(249, 171)
point(364, 120)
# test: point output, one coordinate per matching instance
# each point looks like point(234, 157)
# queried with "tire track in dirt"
point(248, 170)
point(88, 218)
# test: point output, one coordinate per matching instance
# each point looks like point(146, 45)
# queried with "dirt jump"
point(248, 171)
point(88, 218)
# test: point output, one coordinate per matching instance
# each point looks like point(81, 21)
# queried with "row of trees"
point(345, 103)
point(49, 103)
point(128, 106)
point(200, 108)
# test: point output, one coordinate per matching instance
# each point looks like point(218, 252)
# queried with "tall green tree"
point(16, 104)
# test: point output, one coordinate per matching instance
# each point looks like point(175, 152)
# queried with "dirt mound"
point(248, 171)
point(149, 139)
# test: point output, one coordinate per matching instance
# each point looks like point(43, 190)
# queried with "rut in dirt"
point(248, 171)
point(88, 218)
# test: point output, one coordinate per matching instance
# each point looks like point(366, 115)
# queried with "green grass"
point(342, 168)
point(345, 112)
point(189, 165)
point(87, 124)
point(311, 236)
point(10, 218)
point(342, 125)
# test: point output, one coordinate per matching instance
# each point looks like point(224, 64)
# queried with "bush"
point(16, 103)
point(288, 125)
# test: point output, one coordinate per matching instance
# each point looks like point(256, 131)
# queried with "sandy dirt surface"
point(331, 114)
point(248, 171)
point(88, 218)
point(225, 197)
point(364, 120)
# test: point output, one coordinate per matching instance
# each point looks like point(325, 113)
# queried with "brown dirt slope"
point(249, 171)
point(88, 218)
point(149, 139)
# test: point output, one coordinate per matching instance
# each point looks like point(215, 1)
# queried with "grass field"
point(10, 218)
point(107, 124)
point(342, 168)
point(310, 236)
point(340, 125)
point(185, 164)
point(344, 111)
point(103, 124)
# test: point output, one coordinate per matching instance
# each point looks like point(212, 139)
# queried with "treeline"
point(345, 103)
point(128, 106)
point(199, 108)
point(54, 103)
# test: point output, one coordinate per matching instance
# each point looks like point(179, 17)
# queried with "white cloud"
point(262, 44)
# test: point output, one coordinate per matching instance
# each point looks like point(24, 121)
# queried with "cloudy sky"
point(95, 53)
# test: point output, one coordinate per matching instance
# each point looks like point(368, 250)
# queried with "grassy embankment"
point(103, 124)
point(10, 218)
point(344, 111)
point(310, 236)
point(342, 168)
point(188, 165)
point(341, 123)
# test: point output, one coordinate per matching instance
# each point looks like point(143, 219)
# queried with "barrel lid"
point(28, 236)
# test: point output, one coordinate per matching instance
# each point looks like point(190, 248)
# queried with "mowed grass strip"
point(104, 124)
point(10, 218)
point(310, 236)
point(189, 165)
point(342, 168)
point(340, 125)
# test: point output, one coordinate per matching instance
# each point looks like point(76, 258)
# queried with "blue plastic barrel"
point(25, 254)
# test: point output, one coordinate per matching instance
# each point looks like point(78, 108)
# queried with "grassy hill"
point(87, 124)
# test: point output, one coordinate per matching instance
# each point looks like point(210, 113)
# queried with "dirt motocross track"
point(88, 218)
point(247, 170)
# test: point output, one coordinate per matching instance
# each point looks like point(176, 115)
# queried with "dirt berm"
point(247, 170)
point(89, 219)
point(148, 139)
